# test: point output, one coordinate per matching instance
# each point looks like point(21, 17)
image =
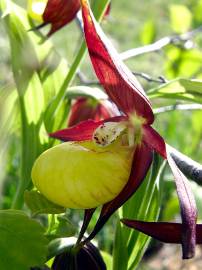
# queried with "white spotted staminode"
point(86, 174)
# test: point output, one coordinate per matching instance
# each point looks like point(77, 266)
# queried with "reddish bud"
point(60, 12)
point(84, 109)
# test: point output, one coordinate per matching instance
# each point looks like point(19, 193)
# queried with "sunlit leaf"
point(148, 33)
point(181, 18)
point(181, 89)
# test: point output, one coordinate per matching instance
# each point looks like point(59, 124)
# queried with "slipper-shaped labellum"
point(85, 174)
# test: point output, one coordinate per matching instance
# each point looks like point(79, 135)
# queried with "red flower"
point(125, 91)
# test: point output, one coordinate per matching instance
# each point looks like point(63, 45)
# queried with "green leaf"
point(38, 204)
point(181, 18)
point(62, 228)
point(182, 89)
point(22, 242)
point(107, 259)
point(120, 254)
point(148, 33)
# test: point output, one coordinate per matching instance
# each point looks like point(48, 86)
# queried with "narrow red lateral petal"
point(119, 82)
point(60, 12)
point(83, 131)
point(154, 140)
point(141, 163)
point(188, 208)
point(163, 231)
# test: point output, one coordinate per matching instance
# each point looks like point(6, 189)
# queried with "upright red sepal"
point(119, 82)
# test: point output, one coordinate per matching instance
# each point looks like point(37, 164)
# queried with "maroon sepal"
point(60, 12)
point(163, 231)
point(84, 130)
point(119, 82)
point(86, 220)
point(141, 164)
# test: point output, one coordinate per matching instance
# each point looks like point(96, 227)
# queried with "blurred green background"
point(130, 24)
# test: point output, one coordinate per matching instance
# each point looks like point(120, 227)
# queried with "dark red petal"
point(60, 12)
point(154, 140)
point(186, 199)
point(108, 10)
point(118, 81)
point(163, 231)
point(188, 208)
point(83, 131)
point(141, 163)
point(87, 218)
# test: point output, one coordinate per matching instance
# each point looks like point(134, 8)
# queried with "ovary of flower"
point(83, 175)
point(36, 9)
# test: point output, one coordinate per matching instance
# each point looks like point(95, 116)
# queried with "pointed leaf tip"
point(118, 81)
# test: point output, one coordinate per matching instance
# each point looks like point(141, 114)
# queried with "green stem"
point(99, 10)
point(22, 183)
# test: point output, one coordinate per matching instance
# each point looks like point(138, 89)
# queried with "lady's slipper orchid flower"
point(132, 132)
point(58, 13)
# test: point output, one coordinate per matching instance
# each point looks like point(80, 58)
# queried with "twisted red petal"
point(119, 82)
point(83, 131)
point(186, 199)
point(59, 13)
point(141, 163)
point(188, 208)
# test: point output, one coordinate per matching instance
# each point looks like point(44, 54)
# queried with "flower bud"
point(56, 12)
point(86, 108)
point(84, 175)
